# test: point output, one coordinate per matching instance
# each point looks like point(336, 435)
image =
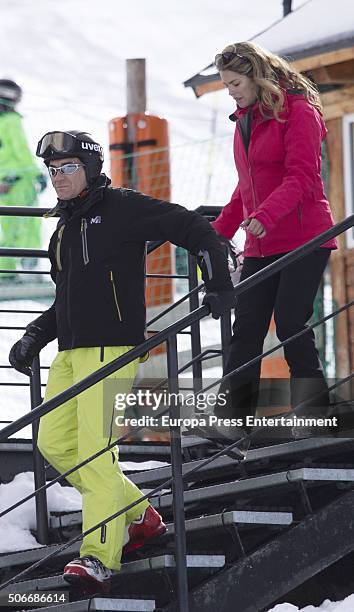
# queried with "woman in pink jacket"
point(280, 203)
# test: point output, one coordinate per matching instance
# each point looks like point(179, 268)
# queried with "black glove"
point(219, 302)
point(25, 350)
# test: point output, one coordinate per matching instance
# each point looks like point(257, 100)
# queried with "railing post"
point(225, 330)
point(38, 461)
point(177, 482)
point(195, 327)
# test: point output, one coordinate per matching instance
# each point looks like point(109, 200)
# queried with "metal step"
point(148, 578)
point(216, 520)
point(239, 517)
point(258, 483)
point(224, 465)
point(229, 489)
point(67, 519)
point(149, 448)
point(27, 557)
point(51, 583)
point(103, 604)
point(133, 567)
point(17, 456)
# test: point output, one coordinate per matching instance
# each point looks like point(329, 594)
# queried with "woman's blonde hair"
point(270, 73)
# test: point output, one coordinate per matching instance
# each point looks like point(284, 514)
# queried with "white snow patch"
point(15, 527)
point(317, 22)
point(347, 605)
point(130, 466)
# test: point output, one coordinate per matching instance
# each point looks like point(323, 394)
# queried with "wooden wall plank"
point(338, 258)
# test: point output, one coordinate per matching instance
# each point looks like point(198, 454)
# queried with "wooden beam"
point(342, 72)
point(338, 258)
point(338, 103)
point(209, 87)
point(336, 111)
point(350, 292)
point(324, 59)
point(333, 97)
point(336, 73)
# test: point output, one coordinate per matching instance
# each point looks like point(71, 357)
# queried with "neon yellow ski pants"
point(74, 431)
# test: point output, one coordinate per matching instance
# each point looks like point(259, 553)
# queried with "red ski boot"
point(149, 525)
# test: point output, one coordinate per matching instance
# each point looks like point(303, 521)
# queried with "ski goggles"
point(66, 169)
point(60, 142)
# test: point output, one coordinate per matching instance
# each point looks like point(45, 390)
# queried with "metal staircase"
point(255, 531)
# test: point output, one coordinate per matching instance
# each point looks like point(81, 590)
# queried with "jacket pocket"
point(115, 295)
point(85, 254)
point(299, 214)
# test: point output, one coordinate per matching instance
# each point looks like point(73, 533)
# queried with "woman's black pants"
point(290, 293)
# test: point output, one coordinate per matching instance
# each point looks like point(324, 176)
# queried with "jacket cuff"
point(221, 229)
point(263, 218)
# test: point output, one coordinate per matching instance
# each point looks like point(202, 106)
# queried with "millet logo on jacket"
point(96, 219)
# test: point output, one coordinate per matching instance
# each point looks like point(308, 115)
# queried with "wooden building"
point(319, 38)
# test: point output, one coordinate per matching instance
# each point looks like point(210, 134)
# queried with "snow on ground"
point(347, 605)
point(15, 527)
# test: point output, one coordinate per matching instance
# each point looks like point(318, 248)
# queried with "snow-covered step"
point(104, 604)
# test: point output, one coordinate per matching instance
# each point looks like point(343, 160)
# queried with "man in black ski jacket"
point(97, 255)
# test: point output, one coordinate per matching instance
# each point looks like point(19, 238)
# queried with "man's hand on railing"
point(219, 302)
point(24, 351)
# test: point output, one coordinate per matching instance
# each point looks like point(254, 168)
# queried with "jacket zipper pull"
point(84, 241)
point(115, 295)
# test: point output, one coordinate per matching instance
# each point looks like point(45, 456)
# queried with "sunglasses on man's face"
point(66, 169)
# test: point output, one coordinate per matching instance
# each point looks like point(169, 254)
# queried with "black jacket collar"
point(69, 209)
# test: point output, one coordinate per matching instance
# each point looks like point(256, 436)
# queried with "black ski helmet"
point(10, 92)
point(73, 143)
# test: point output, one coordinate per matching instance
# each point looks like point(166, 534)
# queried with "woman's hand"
point(254, 227)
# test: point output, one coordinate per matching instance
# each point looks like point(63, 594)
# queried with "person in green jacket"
point(20, 179)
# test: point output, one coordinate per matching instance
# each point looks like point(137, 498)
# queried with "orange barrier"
point(144, 165)
point(274, 366)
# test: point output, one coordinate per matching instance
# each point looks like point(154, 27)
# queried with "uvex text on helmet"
point(73, 143)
